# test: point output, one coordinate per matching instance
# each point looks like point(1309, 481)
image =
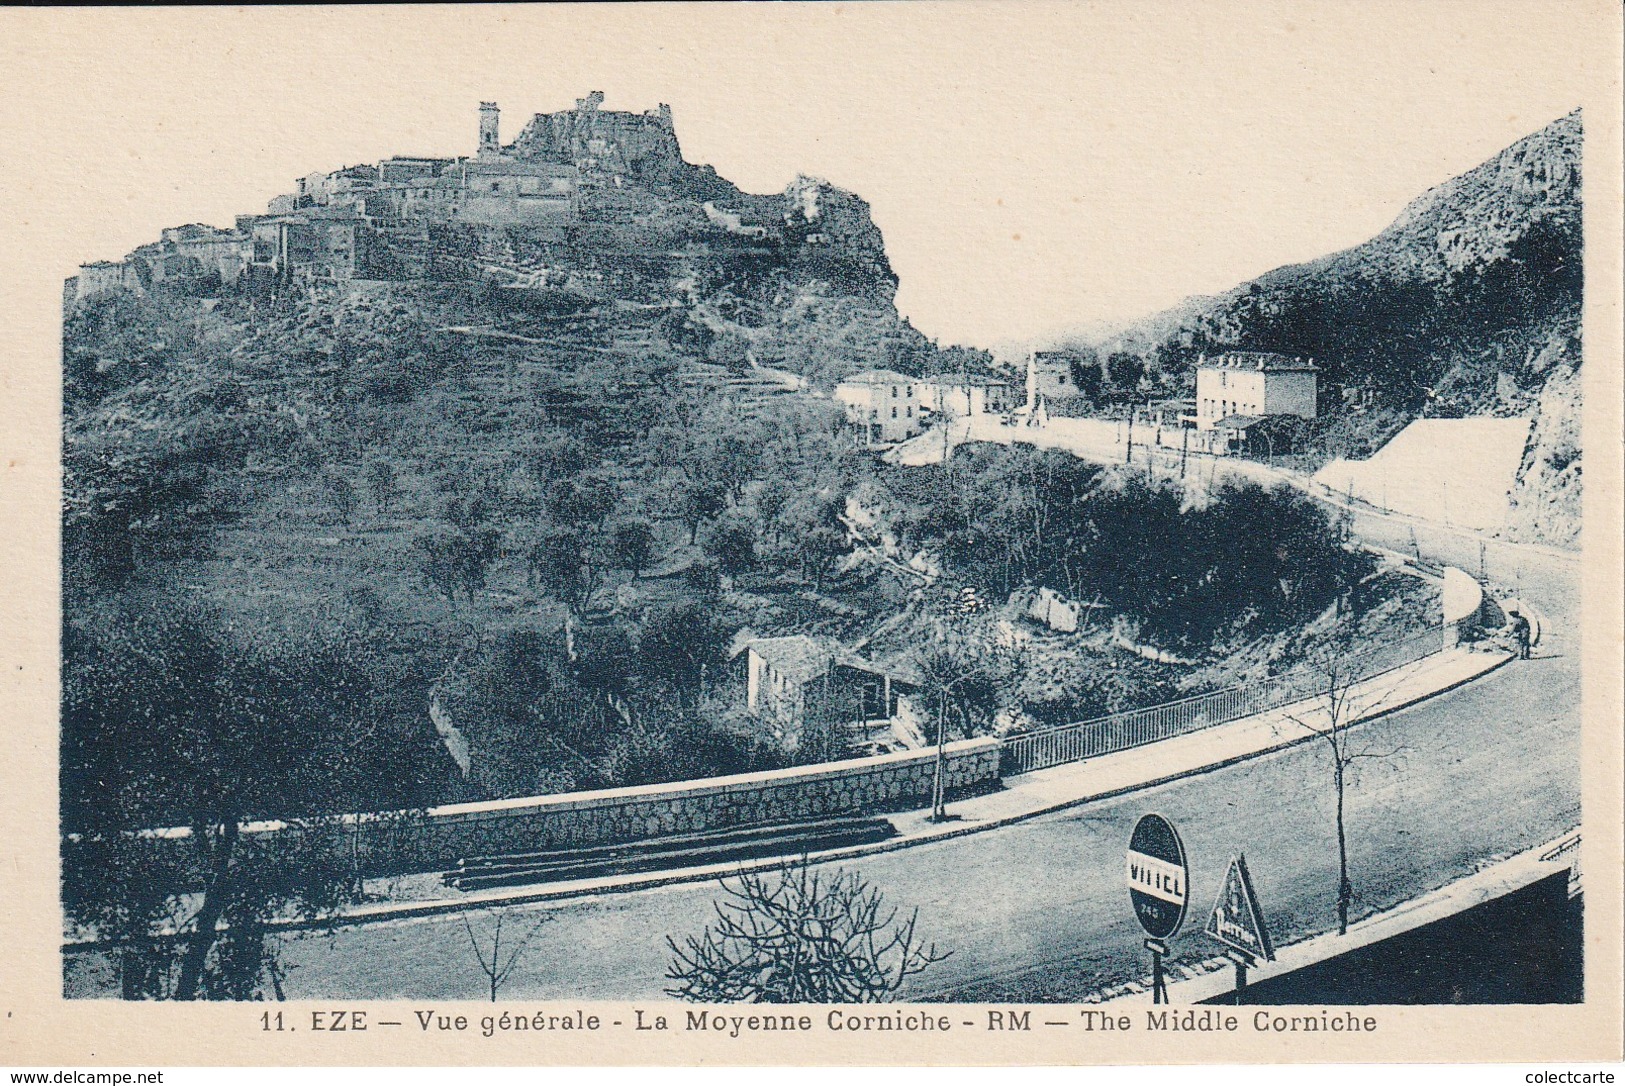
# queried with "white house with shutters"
point(883, 404)
point(1235, 390)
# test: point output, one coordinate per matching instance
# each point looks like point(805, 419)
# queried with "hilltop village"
point(407, 218)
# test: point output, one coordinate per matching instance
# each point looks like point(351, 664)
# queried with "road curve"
point(1038, 911)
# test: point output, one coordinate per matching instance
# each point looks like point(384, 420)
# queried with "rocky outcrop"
point(1477, 219)
point(1546, 501)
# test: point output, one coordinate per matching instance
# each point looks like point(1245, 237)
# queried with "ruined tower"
point(490, 143)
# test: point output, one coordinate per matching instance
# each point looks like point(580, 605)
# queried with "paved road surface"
point(1038, 910)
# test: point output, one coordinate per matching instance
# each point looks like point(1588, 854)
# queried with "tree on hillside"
point(696, 500)
point(340, 494)
point(454, 560)
point(585, 500)
point(562, 563)
point(730, 542)
point(702, 582)
point(800, 936)
point(708, 452)
point(1125, 370)
point(1086, 375)
point(558, 455)
point(811, 523)
point(631, 543)
point(731, 349)
point(169, 719)
point(466, 500)
point(381, 486)
point(606, 659)
point(683, 643)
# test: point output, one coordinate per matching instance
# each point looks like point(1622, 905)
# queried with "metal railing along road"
point(1062, 743)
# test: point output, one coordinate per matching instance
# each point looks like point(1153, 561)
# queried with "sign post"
point(1158, 881)
point(1238, 923)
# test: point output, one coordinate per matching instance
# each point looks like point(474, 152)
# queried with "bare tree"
point(496, 968)
point(800, 937)
point(945, 422)
point(963, 667)
point(1339, 705)
point(945, 666)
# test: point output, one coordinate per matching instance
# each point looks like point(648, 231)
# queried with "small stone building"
point(791, 680)
point(959, 396)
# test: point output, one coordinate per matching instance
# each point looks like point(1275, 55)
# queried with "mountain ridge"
point(1467, 303)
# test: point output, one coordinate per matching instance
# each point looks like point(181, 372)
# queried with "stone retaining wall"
point(437, 838)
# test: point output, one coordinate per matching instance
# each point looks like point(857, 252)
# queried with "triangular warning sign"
point(1237, 921)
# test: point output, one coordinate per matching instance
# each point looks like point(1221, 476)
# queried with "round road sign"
point(1158, 876)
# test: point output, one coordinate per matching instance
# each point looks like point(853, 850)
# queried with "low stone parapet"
point(435, 839)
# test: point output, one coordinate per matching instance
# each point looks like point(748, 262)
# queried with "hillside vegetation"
point(534, 519)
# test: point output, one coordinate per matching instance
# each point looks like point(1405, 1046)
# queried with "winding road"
point(1037, 911)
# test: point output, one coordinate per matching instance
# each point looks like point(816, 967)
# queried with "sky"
point(1035, 168)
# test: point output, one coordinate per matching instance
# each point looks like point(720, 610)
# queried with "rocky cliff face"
point(1467, 304)
point(1478, 219)
point(1546, 501)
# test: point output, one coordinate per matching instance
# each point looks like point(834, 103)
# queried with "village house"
point(789, 681)
point(101, 276)
point(201, 252)
point(349, 185)
point(958, 396)
point(1235, 390)
point(882, 404)
point(193, 255)
point(317, 243)
point(1049, 375)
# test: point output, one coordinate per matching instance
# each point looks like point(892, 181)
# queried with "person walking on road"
point(1521, 632)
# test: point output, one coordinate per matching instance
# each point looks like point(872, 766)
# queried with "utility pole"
point(1184, 448)
point(939, 805)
